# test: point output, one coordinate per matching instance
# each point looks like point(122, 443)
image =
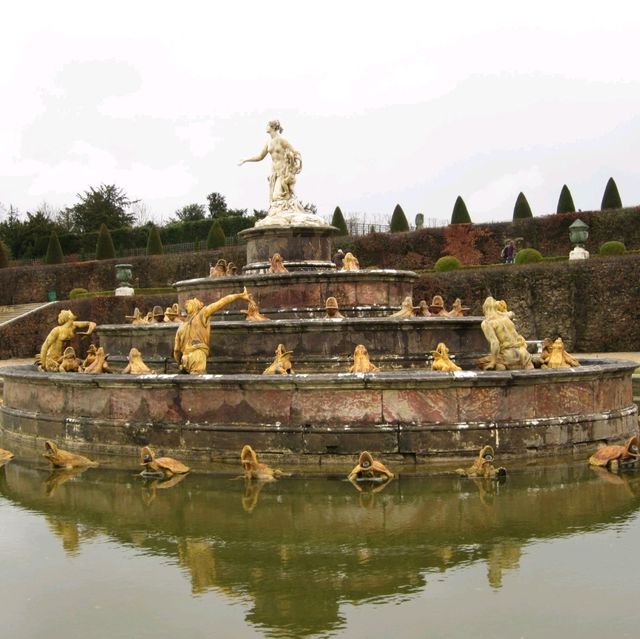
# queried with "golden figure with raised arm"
point(191, 344)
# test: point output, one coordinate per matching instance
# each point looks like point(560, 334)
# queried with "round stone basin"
point(408, 415)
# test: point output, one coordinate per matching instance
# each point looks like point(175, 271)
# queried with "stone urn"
point(123, 274)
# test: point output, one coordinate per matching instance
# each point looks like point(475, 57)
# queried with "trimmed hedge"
point(460, 214)
point(104, 247)
point(528, 256)
point(399, 223)
point(339, 222)
point(447, 263)
point(612, 248)
point(611, 196)
point(216, 237)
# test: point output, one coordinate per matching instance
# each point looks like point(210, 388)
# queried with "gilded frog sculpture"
point(281, 364)
point(59, 458)
point(554, 355)
point(369, 470)
point(135, 366)
point(361, 362)
point(160, 466)
point(253, 469)
point(441, 361)
point(483, 466)
point(616, 456)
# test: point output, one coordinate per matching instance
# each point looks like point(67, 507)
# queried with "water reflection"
point(299, 548)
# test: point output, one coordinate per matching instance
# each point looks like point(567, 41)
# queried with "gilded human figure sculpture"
point(615, 456)
point(53, 347)
point(457, 310)
point(191, 344)
point(361, 362)
point(253, 469)
point(172, 313)
point(284, 207)
point(350, 263)
point(281, 364)
point(422, 310)
point(507, 349)
point(137, 317)
point(59, 458)
point(160, 466)
point(437, 307)
point(441, 361)
point(136, 365)
point(367, 469)
point(556, 357)
point(232, 269)
point(483, 466)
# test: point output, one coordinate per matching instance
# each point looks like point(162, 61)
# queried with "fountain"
point(403, 411)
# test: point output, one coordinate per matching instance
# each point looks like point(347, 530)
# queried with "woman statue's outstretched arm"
point(256, 158)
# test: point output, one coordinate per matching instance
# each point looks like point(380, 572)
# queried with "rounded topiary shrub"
point(447, 263)
point(77, 292)
point(612, 248)
point(528, 256)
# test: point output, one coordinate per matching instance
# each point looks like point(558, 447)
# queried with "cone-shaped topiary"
point(460, 214)
point(339, 222)
point(216, 237)
point(565, 201)
point(611, 198)
point(104, 246)
point(54, 250)
point(521, 210)
point(4, 255)
point(154, 243)
point(398, 222)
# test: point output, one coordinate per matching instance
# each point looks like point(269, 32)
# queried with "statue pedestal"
point(579, 253)
point(122, 291)
point(303, 248)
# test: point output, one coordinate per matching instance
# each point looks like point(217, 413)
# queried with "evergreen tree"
point(398, 222)
point(54, 250)
point(4, 255)
point(154, 243)
point(105, 250)
point(339, 222)
point(521, 210)
point(611, 198)
point(565, 201)
point(216, 237)
point(108, 204)
point(460, 214)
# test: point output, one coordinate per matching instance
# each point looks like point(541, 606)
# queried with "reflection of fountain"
point(308, 545)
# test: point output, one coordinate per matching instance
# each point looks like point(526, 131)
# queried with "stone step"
point(12, 313)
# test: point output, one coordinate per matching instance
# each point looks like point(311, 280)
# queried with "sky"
point(388, 102)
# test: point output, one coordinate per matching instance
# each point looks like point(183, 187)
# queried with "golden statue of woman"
point(191, 344)
point(52, 348)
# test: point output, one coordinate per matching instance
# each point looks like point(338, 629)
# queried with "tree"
point(107, 205)
point(191, 213)
point(54, 250)
point(154, 242)
point(217, 205)
point(611, 198)
point(216, 237)
point(398, 222)
point(104, 246)
point(460, 214)
point(339, 222)
point(565, 201)
point(521, 210)
point(4, 255)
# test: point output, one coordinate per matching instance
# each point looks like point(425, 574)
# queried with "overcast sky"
point(409, 102)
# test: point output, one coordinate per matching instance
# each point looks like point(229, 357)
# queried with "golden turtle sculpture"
point(160, 466)
point(616, 456)
point(483, 466)
point(59, 458)
point(369, 470)
point(253, 469)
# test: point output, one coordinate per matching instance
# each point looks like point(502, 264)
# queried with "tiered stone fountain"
point(404, 411)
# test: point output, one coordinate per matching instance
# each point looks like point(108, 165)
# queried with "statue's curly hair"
point(276, 126)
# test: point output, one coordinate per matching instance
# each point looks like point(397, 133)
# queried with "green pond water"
point(551, 552)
